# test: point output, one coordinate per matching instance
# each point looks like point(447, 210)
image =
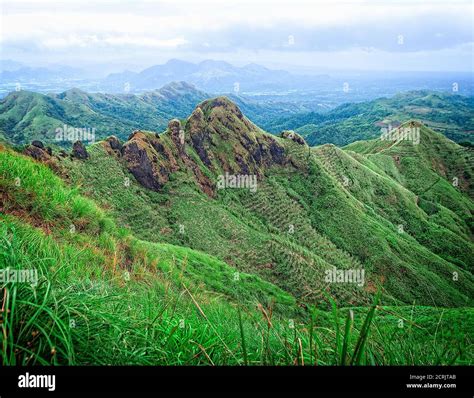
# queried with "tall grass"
point(148, 320)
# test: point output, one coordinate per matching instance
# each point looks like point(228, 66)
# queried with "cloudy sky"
point(323, 35)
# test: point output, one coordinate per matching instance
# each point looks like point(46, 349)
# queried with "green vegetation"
point(178, 275)
point(27, 116)
point(296, 225)
point(449, 114)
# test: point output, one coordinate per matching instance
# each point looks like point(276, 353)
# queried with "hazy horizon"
point(308, 37)
point(103, 70)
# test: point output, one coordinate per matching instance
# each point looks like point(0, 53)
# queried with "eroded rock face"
point(177, 134)
point(224, 139)
point(44, 155)
point(150, 162)
point(79, 151)
point(114, 143)
point(199, 135)
point(38, 144)
point(219, 134)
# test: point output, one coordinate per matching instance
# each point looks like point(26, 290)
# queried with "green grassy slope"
point(303, 220)
point(106, 297)
point(236, 227)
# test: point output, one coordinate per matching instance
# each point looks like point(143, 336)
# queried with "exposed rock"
point(79, 151)
point(40, 145)
point(37, 153)
point(223, 103)
point(133, 134)
point(277, 152)
point(295, 137)
point(112, 145)
point(200, 137)
point(141, 166)
point(148, 160)
point(221, 136)
point(219, 123)
point(37, 144)
point(177, 134)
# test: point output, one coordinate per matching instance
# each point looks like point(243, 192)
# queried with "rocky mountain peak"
point(216, 132)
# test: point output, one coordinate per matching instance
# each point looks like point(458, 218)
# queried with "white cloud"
point(49, 28)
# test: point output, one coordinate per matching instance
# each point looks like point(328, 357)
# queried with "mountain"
point(26, 116)
point(451, 114)
point(211, 76)
point(212, 243)
point(333, 224)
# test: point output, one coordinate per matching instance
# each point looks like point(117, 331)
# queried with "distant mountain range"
point(311, 92)
point(213, 76)
point(9, 65)
point(24, 73)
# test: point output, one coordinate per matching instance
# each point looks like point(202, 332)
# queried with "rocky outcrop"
point(199, 135)
point(225, 139)
point(177, 134)
point(295, 137)
point(38, 144)
point(79, 151)
point(217, 132)
point(112, 145)
point(38, 151)
point(150, 162)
